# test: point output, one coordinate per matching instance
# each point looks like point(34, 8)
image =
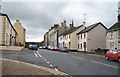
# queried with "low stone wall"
point(16, 48)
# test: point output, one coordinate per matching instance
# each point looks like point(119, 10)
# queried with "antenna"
point(84, 22)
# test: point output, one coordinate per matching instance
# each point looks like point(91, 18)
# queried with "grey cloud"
point(38, 17)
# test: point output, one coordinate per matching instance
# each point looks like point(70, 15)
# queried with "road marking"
point(80, 58)
point(56, 69)
point(39, 54)
point(74, 56)
point(35, 54)
point(51, 65)
point(45, 59)
point(48, 62)
point(104, 64)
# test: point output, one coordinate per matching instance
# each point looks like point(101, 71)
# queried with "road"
point(70, 63)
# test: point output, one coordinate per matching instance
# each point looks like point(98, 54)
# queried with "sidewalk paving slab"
point(13, 67)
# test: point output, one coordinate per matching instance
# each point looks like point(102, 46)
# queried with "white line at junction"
point(104, 64)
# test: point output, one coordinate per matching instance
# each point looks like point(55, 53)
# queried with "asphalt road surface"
point(70, 63)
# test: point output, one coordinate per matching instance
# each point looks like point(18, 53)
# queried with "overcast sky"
point(38, 17)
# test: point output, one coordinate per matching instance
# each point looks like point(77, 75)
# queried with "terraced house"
point(70, 37)
point(113, 34)
point(9, 36)
point(21, 33)
point(92, 37)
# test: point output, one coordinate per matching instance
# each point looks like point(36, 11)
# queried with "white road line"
point(80, 58)
point(51, 65)
point(39, 54)
point(104, 64)
point(45, 59)
point(56, 69)
point(35, 54)
point(73, 56)
point(48, 62)
point(115, 67)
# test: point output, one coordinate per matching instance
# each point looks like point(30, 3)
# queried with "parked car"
point(51, 48)
point(48, 47)
point(34, 47)
point(44, 47)
point(55, 49)
point(63, 49)
point(30, 46)
point(40, 47)
point(113, 54)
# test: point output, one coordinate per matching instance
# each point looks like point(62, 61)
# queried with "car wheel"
point(106, 57)
point(118, 60)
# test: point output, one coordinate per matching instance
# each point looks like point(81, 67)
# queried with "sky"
point(38, 16)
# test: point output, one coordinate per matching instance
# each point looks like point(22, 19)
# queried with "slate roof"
point(71, 30)
point(114, 27)
point(87, 29)
point(2, 14)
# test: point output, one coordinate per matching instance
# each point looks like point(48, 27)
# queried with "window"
point(78, 46)
point(112, 35)
point(118, 33)
point(84, 35)
point(118, 45)
point(60, 38)
point(112, 45)
point(78, 37)
point(81, 45)
point(81, 36)
point(69, 45)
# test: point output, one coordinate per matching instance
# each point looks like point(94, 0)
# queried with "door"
point(84, 46)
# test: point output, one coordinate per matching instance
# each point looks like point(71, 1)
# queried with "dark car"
point(63, 49)
point(113, 54)
point(34, 47)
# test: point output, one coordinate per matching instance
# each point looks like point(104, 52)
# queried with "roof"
point(114, 27)
point(87, 29)
point(69, 31)
point(2, 14)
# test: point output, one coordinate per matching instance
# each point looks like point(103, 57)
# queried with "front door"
point(84, 46)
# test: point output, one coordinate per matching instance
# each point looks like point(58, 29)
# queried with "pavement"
point(14, 48)
point(11, 67)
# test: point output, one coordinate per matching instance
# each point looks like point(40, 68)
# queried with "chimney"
point(61, 23)
point(72, 24)
point(64, 23)
point(18, 21)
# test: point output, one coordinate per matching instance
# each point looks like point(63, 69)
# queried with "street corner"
point(13, 67)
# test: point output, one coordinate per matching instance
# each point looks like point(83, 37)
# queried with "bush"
point(101, 51)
